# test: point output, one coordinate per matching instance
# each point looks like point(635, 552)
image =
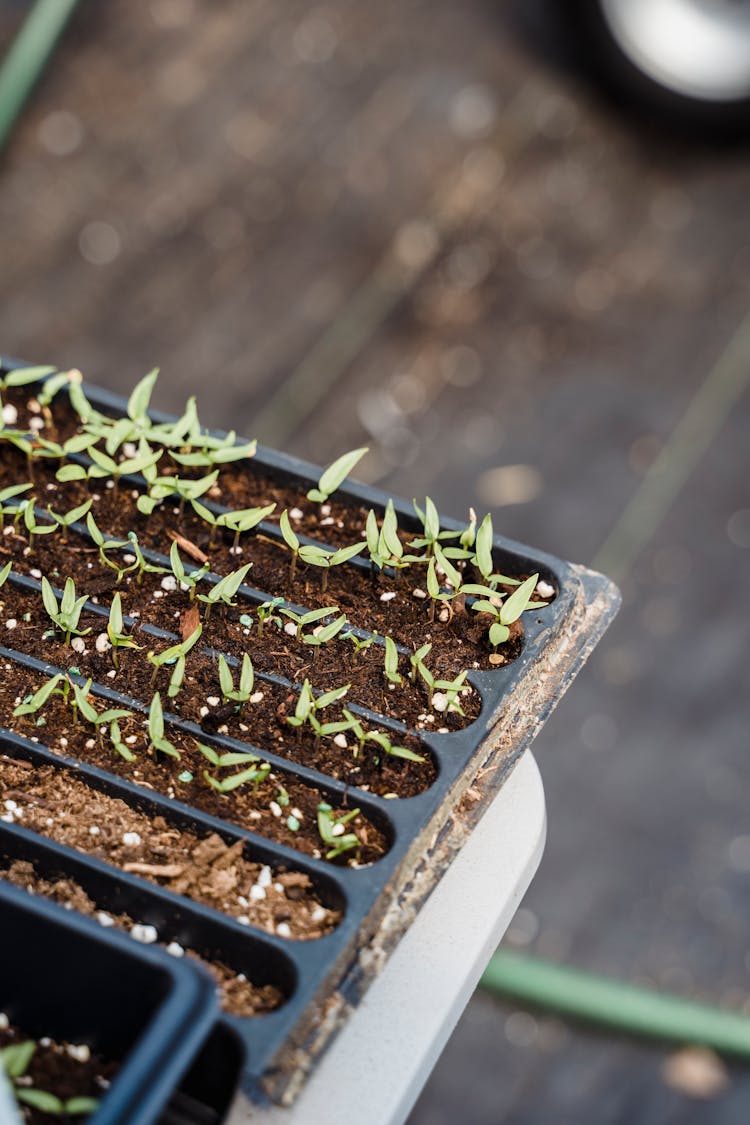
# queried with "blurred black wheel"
point(683, 62)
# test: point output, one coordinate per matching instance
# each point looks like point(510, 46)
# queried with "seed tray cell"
point(65, 977)
point(324, 978)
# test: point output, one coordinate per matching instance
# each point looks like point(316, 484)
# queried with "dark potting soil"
point(238, 995)
point(57, 804)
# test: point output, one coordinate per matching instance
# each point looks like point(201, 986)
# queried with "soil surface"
point(62, 1069)
point(57, 804)
point(238, 995)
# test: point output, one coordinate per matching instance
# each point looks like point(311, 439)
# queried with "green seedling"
point(431, 533)
point(15, 1059)
point(105, 545)
point(360, 644)
point(244, 520)
point(267, 612)
point(177, 679)
point(73, 516)
point(240, 694)
point(254, 774)
point(79, 699)
point(157, 739)
point(5, 572)
point(482, 558)
point(225, 590)
point(78, 443)
point(509, 610)
point(119, 747)
point(467, 538)
point(160, 488)
point(141, 564)
point(312, 617)
point(54, 384)
point(23, 376)
point(390, 662)
point(308, 707)
point(172, 654)
point(322, 634)
point(10, 493)
point(292, 542)
point(106, 467)
point(57, 685)
point(445, 595)
point(383, 543)
point(332, 831)
point(189, 578)
point(383, 741)
point(118, 638)
point(319, 556)
point(335, 475)
point(416, 660)
point(221, 454)
point(28, 512)
point(67, 614)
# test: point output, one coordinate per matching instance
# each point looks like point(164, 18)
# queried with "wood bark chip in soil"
point(238, 995)
point(56, 804)
point(55, 1069)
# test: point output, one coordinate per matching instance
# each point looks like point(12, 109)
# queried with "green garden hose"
point(24, 63)
point(615, 1005)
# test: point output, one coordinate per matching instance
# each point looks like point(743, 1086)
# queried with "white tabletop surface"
point(382, 1058)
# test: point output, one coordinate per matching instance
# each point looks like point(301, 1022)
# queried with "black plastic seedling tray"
point(66, 977)
point(324, 978)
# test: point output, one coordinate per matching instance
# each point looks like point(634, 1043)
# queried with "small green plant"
point(240, 694)
point(118, 638)
point(237, 521)
point(56, 685)
point(360, 644)
point(482, 557)
point(379, 737)
point(27, 510)
point(105, 545)
point(390, 662)
point(253, 775)
point(79, 699)
point(5, 572)
point(105, 467)
point(321, 634)
point(23, 376)
point(416, 660)
point(10, 493)
point(174, 653)
point(73, 516)
point(157, 739)
point(335, 475)
point(326, 560)
point(15, 1060)
point(118, 745)
point(189, 578)
point(314, 555)
point(67, 614)
point(161, 488)
point(266, 612)
point(141, 564)
point(308, 707)
point(509, 610)
point(383, 543)
point(430, 527)
point(222, 453)
point(332, 831)
point(225, 590)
